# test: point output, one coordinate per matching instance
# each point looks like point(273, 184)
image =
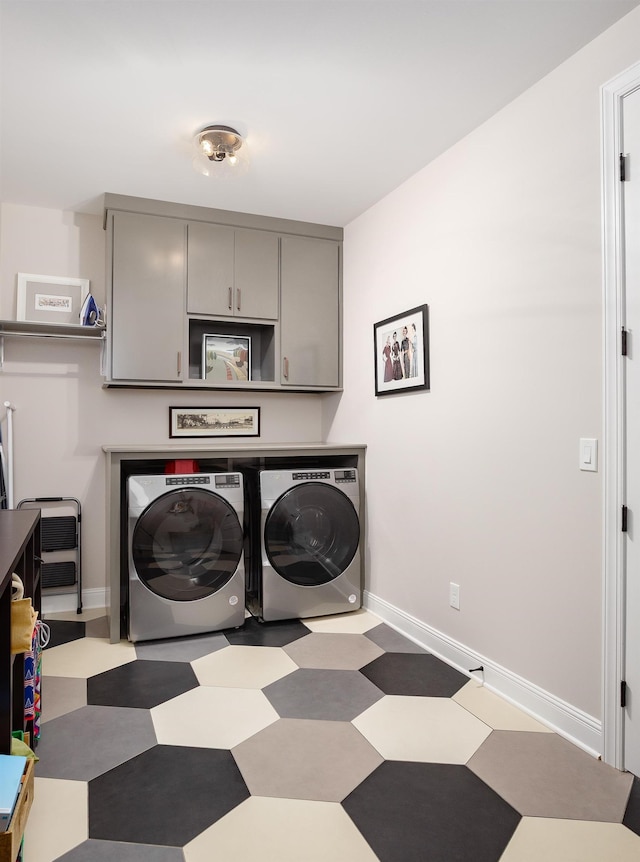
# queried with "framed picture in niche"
point(50, 298)
point(226, 357)
point(401, 352)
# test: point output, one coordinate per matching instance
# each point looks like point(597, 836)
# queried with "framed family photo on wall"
point(401, 346)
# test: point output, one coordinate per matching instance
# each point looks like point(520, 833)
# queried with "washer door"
point(187, 544)
point(311, 534)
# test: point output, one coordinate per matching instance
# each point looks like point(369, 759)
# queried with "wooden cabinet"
point(232, 272)
point(310, 320)
point(147, 310)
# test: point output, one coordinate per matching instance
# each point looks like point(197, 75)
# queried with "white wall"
point(477, 481)
point(63, 415)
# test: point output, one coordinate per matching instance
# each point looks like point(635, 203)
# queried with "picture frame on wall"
point(401, 352)
point(214, 422)
point(226, 357)
point(50, 299)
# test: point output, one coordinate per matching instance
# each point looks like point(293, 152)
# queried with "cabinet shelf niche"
point(262, 351)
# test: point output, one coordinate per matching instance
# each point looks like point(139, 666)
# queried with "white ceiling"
point(340, 100)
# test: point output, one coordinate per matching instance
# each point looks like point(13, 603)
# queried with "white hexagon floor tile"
point(282, 830)
point(424, 729)
point(86, 657)
point(355, 622)
point(58, 820)
point(243, 667)
point(494, 710)
point(212, 717)
point(540, 838)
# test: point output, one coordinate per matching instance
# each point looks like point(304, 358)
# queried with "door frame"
point(614, 489)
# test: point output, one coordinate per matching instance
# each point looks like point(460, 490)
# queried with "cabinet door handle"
point(230, 298)
point(179, 364)
point(285, 368)
point(238, 298)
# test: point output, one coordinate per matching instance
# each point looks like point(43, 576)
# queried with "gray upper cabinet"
point(310, 316)
point(147, 310)
point(232, 272)
point(176, 273)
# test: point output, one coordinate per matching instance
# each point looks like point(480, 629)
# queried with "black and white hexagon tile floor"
point(325, 740)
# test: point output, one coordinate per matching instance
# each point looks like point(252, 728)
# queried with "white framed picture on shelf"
point(50, 298)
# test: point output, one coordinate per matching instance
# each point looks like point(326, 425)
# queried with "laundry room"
point(458, 511)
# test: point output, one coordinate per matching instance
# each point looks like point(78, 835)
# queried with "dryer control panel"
point(345, 475)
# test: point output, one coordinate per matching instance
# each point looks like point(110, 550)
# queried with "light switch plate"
point(589, 454)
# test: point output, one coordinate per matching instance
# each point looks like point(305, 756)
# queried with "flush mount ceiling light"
point(220, 151)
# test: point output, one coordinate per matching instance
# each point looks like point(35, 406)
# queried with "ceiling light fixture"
point(220, 151)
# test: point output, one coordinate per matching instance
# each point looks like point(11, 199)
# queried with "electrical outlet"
point(454, 595)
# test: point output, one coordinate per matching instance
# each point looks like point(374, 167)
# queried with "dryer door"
point(311, 534)
point(187, 544)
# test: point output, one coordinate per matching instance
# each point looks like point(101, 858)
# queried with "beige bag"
point(23, 621)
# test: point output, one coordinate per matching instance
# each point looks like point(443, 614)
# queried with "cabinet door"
point(210, 269)
point(232, 273)
point(147, 305)
point(310, 312)
point(256, 271)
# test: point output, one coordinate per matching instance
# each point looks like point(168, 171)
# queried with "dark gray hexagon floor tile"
point(632, 813)
point(92, 740)
point(392, 641)
point(181, 649)
point(167, 795)
point(64, 631)
point(544, 775)
point(414, 675)
point(255, 633)
point(110, 851)
point(431, 811)
point(141, 684)
point(333, 695)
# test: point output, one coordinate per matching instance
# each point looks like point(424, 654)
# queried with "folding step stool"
point(60, 533)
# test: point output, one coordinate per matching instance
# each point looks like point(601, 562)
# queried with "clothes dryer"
point(185, 554)
point(306, 559)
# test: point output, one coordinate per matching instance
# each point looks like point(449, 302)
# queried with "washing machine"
point(185, 554)
point(306, 559)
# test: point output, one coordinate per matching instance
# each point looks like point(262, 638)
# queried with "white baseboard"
point(567, 720)
point(55, 603)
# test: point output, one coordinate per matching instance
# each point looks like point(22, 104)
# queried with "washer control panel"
point(188, 480)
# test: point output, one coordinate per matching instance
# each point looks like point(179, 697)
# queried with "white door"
point(631, 431)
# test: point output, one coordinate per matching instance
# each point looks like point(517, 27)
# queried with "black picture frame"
point(401, 359)
point(214, 421)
